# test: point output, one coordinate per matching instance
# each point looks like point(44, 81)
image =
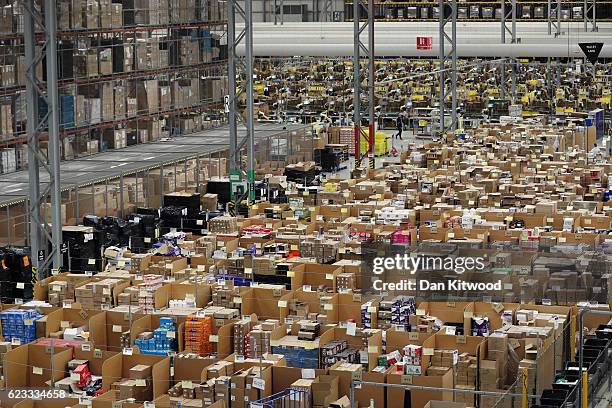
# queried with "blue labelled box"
point(67, 111)
point(298, 357)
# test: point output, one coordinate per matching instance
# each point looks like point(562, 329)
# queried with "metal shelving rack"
point(577, 10)
point(98, 41)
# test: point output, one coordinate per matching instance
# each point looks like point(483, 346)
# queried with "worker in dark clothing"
point(399, 124)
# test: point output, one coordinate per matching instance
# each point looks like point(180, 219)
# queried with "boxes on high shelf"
point(21, 70)
point(128, 55)
point(7, 75)
point(86, 63)
point(155, 130)
point(141, 51)
point(63, 15)
point(186, 125)
point(120, 107)
point(213, 89)
point(93, 147)
point(108, 101)
point(22, 156)
point(93, 109)
point(116, 15)
point(115, 138)
point(105, 58)
point(182, 11)
point(91, 17)
point(6, 19)
point(77, 10)
point(66, 148)
point(165, 98)
point(80, 110)
point(184, 92)
point(6, 121)
point(105, 13)
point(144, 12)
point(153, 53)
point(8, 160)
point(132, 107)
point(147, 96)
point(188, 50)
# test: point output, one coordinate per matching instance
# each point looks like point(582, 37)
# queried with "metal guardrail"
point(288, 398)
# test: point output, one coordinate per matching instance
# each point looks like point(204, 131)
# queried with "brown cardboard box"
point(343, 402)
point(324, 390)
point(140, 371)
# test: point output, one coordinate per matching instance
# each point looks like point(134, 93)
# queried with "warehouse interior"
point(305, 204)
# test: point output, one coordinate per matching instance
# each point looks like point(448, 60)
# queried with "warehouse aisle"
point(400, 145)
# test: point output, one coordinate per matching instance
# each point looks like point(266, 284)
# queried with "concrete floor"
point(113, 163)
point(401, 146)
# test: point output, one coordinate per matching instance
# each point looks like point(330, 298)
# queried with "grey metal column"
point(508, 28)
point(554, 25)
point(448, 14)
point(590, 8)
point(245, 65)
point(357, 77)
point(250, 123)
point(366, 50)
point(233, 93)
point(41, 234)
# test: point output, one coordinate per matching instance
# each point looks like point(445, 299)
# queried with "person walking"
point(399, 124)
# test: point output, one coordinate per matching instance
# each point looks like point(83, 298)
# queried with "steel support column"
point(590, 15)
point(448, 16)
point(508, 31)
point(242, 67)
point(554, 17)
point(43, 237)
point(361, 49)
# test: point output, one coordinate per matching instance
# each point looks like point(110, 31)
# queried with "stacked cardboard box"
point(241, 331)
point(58, 292)
point(146, 291)
point(497, 350)
point(97, 295)
point(259, 342)
point(489, 375)
point(139, 385)
point(224, 315)
point(129, 297)
point(197, 335)
point(345, 281)
point(466, 370)
point(6, 121)
point(223, 225)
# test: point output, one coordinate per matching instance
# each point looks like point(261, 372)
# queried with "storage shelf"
point(141, 73)
point(140, 117)
point(118, 30)
point(122, 75)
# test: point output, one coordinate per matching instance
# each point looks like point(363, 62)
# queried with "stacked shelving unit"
point(130, 72)
point(479, 10)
